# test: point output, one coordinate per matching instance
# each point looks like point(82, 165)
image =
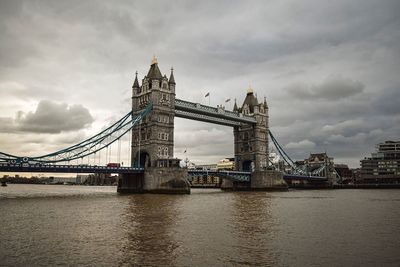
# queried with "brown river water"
point(55, 225)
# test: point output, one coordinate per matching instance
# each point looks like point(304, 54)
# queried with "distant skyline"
point(329, 70)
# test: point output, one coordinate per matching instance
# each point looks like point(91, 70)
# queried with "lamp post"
point(140, 137)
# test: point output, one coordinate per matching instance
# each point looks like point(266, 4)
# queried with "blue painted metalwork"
point(299, 172)
point(87, 147)
point(196, 111)
point(229, 175)
point(26, 167)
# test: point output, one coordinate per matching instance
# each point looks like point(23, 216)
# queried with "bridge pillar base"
point(166, 180)
point(130, 183)
point(229, 185)
point(226, 184)
point(156, 180)
point(267, 180)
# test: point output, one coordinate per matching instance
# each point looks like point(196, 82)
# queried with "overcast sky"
point(330, 70)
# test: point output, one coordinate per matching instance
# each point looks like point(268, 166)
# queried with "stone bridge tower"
point(153, 139)
point(251, 141)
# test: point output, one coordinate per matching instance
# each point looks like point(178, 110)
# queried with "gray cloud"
point(303, 144)
point(49, 117)
point(333, 88)
point(330, 76)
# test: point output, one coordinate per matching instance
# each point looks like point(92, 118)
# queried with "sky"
point(328, 69)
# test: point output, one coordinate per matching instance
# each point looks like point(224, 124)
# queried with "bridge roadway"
point(238, 176)
point(4, 167)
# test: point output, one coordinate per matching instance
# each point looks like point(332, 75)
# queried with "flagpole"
point(208, 95)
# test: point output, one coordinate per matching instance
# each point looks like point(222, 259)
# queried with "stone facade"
point(251, 141)
point(153, 138)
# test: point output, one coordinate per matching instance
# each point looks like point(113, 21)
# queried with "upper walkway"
point(219, 115)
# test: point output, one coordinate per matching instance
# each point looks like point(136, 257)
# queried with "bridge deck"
point(68, 169)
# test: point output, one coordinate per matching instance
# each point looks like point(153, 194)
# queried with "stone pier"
point(156, 180)
point(266, 180)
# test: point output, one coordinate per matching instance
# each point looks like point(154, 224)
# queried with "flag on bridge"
point(207, 94)
point(226, 101)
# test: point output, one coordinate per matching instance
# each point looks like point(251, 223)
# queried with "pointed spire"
point(136, 82)
point(250, 90)
point(154, 60)
point(171, 77)
point(250, 100)
point(154, 71)
point(235, 108)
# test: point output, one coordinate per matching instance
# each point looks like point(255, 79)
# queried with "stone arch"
point(248, 166)
point(143, 160)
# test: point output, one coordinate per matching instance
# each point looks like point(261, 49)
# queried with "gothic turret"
point(154, 71)
point(235, 107)
point(171, 77)
point(265, 103)
point(135, 85)
point(250, 101)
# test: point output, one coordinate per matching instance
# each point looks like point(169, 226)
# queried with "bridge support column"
point(226, 184)
point(166, 181)
point(130, 183)
point(155, 180)
point(267, 180)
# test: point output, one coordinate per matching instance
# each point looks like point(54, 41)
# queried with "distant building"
point(101, 179)
point(317, 161)
point(226, 164)
point(319, 164)
point(81, 178)
point(60, 180)
point(344, 172)
point(210, 167)
point(275, 161)
point(383, 166)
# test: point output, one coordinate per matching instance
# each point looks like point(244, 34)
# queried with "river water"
point(49, 225)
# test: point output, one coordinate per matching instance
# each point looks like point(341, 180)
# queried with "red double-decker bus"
point(113, 165)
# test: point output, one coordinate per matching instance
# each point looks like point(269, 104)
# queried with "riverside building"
point(383, 166)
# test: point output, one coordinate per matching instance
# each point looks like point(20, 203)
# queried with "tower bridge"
point(150, 124)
